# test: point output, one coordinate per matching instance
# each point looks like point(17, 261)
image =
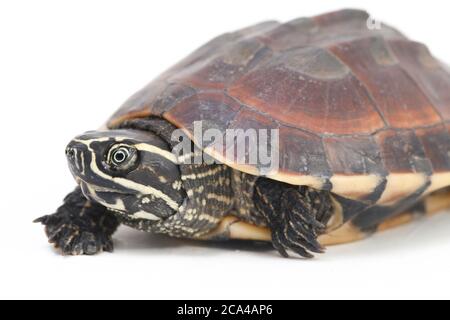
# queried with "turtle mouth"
point(90, 187)
point(110, 198)
point(117, 202)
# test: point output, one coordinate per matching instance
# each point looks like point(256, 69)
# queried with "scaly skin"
point(296, 215)
point(80, 226)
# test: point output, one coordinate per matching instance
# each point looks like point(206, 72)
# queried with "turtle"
point(360, 120)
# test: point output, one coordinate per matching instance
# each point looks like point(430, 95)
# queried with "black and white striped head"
point(128, 171)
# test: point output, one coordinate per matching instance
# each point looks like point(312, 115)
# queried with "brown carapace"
point(362, 112)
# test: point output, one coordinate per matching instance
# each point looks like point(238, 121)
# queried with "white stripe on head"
point(145, 215)
point(160, 152)
point(83, 169)
point(146, 190)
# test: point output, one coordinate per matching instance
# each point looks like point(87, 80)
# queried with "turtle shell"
point(363, 112)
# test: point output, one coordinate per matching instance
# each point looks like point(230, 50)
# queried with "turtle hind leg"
point(80, 226)
point(295, 215)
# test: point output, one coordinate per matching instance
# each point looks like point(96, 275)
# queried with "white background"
point(65, 66)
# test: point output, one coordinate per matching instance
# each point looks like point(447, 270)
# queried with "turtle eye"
point(121, 157)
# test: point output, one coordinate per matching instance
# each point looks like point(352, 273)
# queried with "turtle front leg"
point(295, 215)
point(80, 226)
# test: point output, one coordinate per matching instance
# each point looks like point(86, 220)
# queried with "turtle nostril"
point(75, 155)
point(70, 153)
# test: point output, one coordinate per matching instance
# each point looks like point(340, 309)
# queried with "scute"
point(356, 107)
point(309, 89)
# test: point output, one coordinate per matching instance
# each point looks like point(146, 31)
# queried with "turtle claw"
point(296, 217)
point(72, 240)
point(287, 238)
point(80, 227)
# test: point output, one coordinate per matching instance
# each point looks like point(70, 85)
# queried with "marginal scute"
point(405, 160)
point(354, 155)
point(302, 153)
point(436, 142)
point(402, 152)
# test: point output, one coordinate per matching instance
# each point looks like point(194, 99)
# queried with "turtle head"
point(128, 171)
